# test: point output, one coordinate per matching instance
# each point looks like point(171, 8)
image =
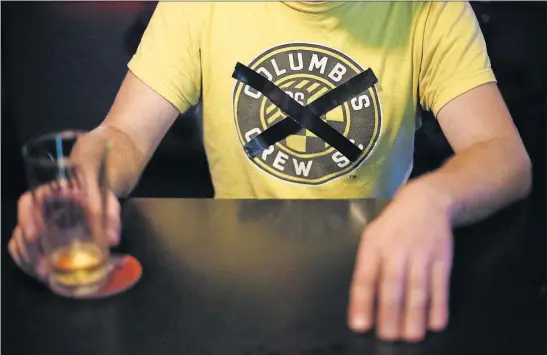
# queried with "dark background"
point(62, 63)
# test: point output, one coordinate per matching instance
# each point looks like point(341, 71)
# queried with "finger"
point(114, 222)
point(21, 247)
point(438, 307)
point(391, 294)
point(416, 298)
point(31, 211)
point(25, 217)
point(95, 189)
point(12, 248)
point(40, 192)
point(41, 269)
point(29, 255)
point(103, 205)
point(363, 289)
point(97, 204)
point(33, 250)
point(111, 212)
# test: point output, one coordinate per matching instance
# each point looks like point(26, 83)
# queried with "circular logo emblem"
point(306, 72)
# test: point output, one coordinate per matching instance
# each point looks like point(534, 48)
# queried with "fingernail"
point(359, 323)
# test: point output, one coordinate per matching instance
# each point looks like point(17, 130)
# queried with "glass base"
point(78, 291)
point(124, 271)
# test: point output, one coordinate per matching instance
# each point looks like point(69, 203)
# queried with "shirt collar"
point(313, 6)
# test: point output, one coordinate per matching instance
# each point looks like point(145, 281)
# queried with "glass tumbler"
point(70, 208)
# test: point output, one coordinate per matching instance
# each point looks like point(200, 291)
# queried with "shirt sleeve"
point(455, 58)
point(168, 56)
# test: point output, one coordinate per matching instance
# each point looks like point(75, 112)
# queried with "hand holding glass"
point(72, 203)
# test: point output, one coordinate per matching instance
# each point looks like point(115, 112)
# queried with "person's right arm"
point(135, 125)
point(164, 79)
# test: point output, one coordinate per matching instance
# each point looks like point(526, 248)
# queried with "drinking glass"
point(70, 196)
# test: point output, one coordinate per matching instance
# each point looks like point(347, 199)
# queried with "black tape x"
point(304, 116)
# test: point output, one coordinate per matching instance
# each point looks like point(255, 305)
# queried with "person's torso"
point(308, 55)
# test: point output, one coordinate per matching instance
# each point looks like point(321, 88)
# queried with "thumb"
point(103, 206)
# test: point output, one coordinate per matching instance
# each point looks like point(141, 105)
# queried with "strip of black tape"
point(302, 115)
point(327, 102)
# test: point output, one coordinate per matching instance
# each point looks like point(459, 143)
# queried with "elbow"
point(528, 177)
point(524, 176)
point(518, 169)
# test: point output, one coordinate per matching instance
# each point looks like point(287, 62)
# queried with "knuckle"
point(368, 281)
point(365, 276)
point(24, 198)
point(416, 283)
point(421, 257)
point(393, 254)
point(391, 299)
point(40, 192)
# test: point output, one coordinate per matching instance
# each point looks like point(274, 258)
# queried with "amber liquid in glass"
point(78, 269)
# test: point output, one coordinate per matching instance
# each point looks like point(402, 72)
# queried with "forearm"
point(134, 127)
point(125, 162)
point(478, 181)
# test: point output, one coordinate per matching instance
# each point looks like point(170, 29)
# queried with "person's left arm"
point(403, 265)
point(490, 168)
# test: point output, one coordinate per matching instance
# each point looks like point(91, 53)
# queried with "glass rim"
point(36, 141)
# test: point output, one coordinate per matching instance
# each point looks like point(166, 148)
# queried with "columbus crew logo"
point(306, 72)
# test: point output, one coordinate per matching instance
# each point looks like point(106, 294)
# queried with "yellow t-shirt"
point(423, 54)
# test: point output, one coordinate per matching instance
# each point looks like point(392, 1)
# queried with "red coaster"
point(126, 272)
